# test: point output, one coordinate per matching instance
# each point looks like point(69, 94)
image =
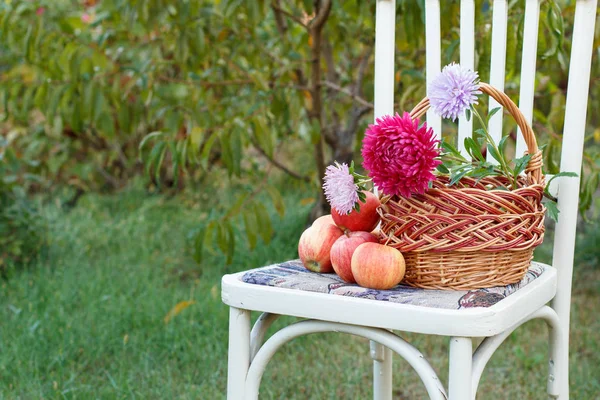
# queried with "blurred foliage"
point(22, 228)
point(104, 90)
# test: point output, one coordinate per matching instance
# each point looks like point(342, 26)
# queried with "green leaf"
point(459, 174)
point(502, 145)
point(206, 148)
point(155, 155)
point(362, 197)
point(277, 200)
point(263, 220)
point(587, 191)
point(236, 152)
point(473, 149)
point(148, 137)
point(468, 114)
point(492, 112)
point(124, 118)
point(222, 237)
point(230, 243)
point(442, 168)
point(480, 173)
point(562, 174)
point(521, 164)
point(494, 153)
point(175, 161)
point(27, 45)
point(251, 228)
point(158, 164)
point(565, 174)
point(449, 148)
point(552, 209)
point(237, 206)
point(198, 245)
point(263, 135)
point(226, 153)
point(40, 96)
point(551, 162)
point(106, 124)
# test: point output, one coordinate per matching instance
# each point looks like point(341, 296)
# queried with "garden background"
point(148, 147)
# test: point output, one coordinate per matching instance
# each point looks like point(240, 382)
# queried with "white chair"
point(375, 320)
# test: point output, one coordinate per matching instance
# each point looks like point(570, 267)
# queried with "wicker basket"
point(468, 236)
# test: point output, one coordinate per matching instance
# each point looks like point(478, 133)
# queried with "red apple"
point(325, 219)
point(364, 220)
point(315, 245)
point(377, 266)
point(342, 250)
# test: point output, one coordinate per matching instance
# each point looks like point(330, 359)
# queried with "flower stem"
point(491, 141)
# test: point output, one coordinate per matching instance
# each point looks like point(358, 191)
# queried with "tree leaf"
point(222, 237)
point(277, 200)
point(175, 311)
point(263, 220)
point(198, 244)
point(230, 243)
point(251, 228)
point(206, 148)
point(148, 137)
point(237, 206)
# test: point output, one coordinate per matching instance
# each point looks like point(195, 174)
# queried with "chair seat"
point(289, 289)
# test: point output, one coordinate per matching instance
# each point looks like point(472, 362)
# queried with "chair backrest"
point(567, 189)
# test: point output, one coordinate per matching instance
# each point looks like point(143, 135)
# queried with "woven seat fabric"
point(292, 275)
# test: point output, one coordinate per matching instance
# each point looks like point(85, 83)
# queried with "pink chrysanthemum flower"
point(400, 155)
point(340, 189)
point(453, 91)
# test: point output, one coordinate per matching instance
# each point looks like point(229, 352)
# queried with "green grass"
point(88, 321)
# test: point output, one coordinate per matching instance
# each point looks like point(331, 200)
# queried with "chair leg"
point(558, 371)
point(239, 352)
point(382, 371)
point(461, 364)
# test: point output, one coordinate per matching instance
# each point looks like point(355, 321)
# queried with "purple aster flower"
point(453, 91)
point(340, 189)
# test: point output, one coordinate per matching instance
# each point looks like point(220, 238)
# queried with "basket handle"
point(534, 168)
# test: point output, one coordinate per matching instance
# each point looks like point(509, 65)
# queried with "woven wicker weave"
point(469, 236)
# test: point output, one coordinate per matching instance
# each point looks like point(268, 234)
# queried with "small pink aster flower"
point(40, 11)
point(340, 189)
point(453, 91)
point(86, 18)
point(400, 155)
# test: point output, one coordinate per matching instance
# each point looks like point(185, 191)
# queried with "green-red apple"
point(325, 219)
point(364, 220)
point(342, 250)
point(315, 245)
point(377, 266)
